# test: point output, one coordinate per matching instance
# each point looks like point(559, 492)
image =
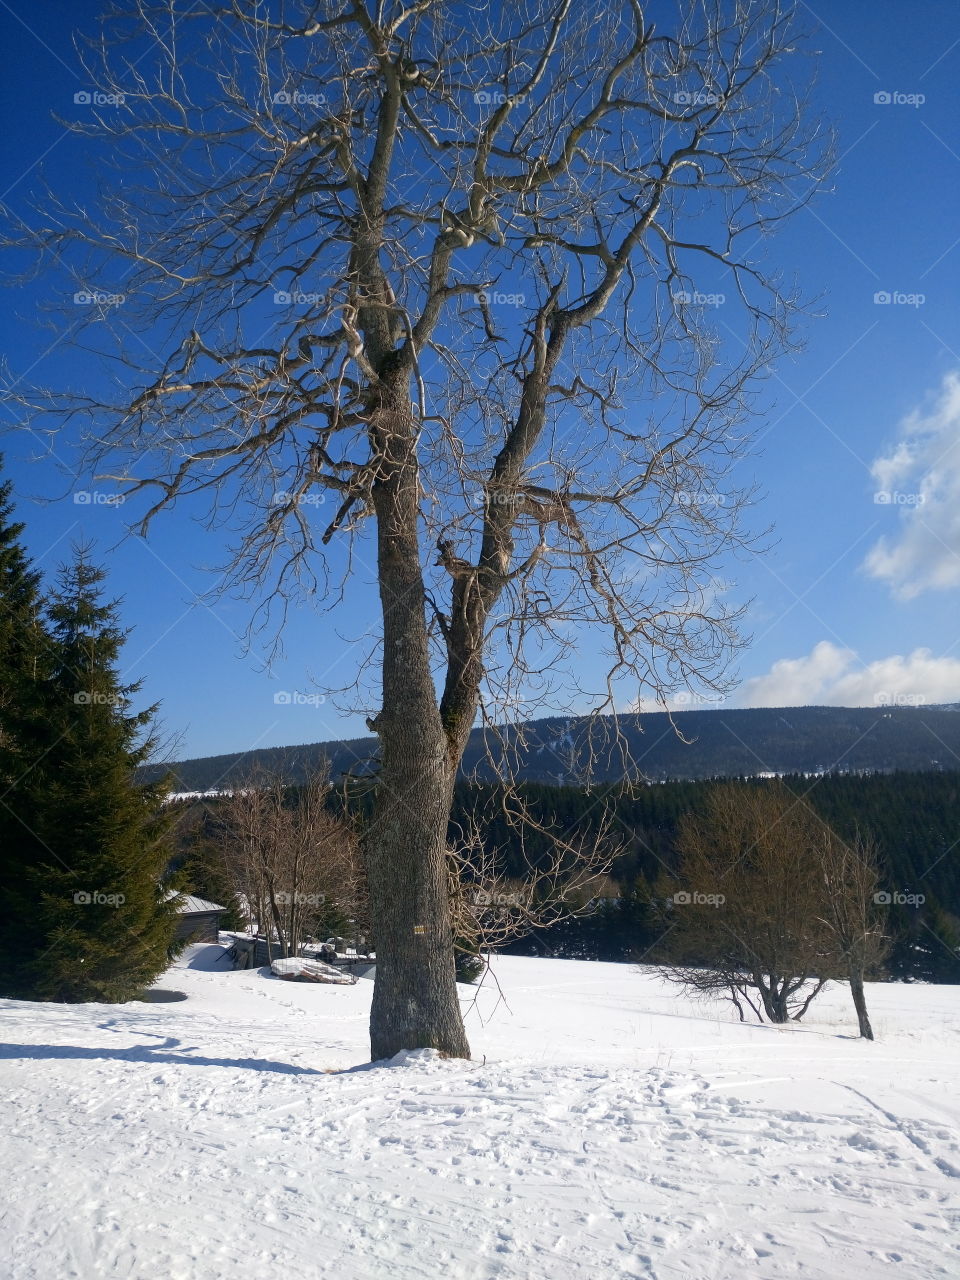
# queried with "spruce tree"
point(24, 666)
point(22, 637)
point(202, 869)
point(102, 925)
point(937, 948)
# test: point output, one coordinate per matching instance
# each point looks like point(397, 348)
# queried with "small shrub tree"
point(851, 915)
point(745, 913)
point(293, 862)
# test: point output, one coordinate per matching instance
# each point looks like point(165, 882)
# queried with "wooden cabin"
point(199, 919)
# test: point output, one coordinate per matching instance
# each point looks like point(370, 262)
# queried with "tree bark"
point(774, 1001)
point(277, 924)
point(860, 1003)
point(415, 1001)
point(737, 1004)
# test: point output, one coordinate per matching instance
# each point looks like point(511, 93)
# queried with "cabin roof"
point(190, 904)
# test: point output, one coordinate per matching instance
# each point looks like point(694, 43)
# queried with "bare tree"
point(492, 905)
point(747, 912)
point(458, 277)
point(293, 862)
point(851, 875)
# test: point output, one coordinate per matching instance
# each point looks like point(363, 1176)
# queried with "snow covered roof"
point(191, 905)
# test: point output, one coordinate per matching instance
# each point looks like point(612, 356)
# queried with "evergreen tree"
point(102, 927)
point(22, 637)
point(469, 965)
point(935, 940)
point(24, 666)
point(201, 869)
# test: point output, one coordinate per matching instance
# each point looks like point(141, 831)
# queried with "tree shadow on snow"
point(149, 1054)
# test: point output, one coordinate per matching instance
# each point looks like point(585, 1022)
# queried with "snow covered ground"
point(607, 1128)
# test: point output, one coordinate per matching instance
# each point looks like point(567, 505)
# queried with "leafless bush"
point(293, 863)
point(745, 914)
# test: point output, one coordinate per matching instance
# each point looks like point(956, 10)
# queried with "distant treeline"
point(714, 743)
point(914, 818)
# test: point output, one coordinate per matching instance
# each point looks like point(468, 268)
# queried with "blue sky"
point(855, 603)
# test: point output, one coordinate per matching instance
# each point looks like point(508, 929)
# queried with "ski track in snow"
point(614, 1130)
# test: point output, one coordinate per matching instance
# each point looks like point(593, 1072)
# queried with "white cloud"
point(832, 676)
point(920, 477)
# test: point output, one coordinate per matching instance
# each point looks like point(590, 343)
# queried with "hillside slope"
point(709, 744)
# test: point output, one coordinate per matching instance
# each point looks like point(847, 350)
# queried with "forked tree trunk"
point(774, 1001)
point(860, 1002)
point(415, 1002)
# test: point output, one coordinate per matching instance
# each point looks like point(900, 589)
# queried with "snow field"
point(607, 1127)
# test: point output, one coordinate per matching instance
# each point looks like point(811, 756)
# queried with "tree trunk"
point(415, 1001)
point(774, 1001)
point(780, 1012)
point(860, 1002)
point(278, 923)
point(738, 1005)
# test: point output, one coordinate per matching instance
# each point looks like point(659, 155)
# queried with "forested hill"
point(714, 743)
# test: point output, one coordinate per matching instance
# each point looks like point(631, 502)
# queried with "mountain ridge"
point(715, 742)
